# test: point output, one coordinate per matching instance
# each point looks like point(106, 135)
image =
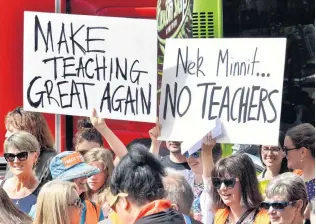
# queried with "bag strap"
point(187, 220)
point(244, 216)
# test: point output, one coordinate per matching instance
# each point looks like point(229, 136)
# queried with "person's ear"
point(299, 205)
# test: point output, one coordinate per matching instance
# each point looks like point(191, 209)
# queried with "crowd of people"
point(134, 184)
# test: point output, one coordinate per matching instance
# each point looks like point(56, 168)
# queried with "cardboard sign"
point(239, 81)
point(74, 63)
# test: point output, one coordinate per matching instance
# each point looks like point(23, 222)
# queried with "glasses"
point(195, 155)
point(286, 150)
point(77, 203)
point(22, 156)
point(276, 205)
point(228, 182)
point(271, 149)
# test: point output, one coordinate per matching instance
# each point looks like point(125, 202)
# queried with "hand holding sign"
point(98, 122)
point(208, 142)
point(154, 133)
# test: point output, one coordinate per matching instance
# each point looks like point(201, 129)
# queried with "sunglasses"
point(276, 205)
point(77, 203)
point(286, 150)
point(195, 155)
point(22, 156)
point(228, 182)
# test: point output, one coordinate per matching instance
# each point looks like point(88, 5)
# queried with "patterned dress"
point(310, 186)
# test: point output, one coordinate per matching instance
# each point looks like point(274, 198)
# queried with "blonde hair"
point(53, 201)
point(34, 123)
point(103, 156)
point(22, 141)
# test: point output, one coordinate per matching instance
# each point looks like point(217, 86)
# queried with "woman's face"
point(272, 155)
point(287, 215)
point(21, 162)
point(74, 208)
point(95, 182)
point(81, 184)
point(195, 162)
point(229, 190)
point(293, 155)
point(86, 145)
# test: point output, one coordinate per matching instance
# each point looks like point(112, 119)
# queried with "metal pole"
point(58, 116)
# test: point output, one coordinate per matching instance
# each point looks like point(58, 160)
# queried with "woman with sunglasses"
point(21, 154)
point(299, 148)
point(195, 178)
point(235, 192)
point(286, 199)
point(58, 203)
point(34, 123)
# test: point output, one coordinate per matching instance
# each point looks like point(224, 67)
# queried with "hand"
point(208, 142)
point(97, 122)
point(154, 133)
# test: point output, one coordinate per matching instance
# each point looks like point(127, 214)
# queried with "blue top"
point(25, 204)
point(310, 186)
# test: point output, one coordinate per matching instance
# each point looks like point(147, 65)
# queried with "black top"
point(166, 162)
point(168, 216)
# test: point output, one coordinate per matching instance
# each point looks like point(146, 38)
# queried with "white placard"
point(239, 81)
point(74, 63)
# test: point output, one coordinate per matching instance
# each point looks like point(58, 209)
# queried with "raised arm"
point(154, 133)
point(207, 155)
point(115, 143)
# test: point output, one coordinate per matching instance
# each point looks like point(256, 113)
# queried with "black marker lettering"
point(49, 35)
point(179, 101)
point(88, 40)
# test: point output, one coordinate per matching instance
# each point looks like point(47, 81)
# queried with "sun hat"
point(70, 165)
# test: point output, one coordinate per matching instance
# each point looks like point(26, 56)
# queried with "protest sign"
point(239, 81)
point(74, 63)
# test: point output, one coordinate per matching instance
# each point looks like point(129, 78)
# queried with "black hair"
point(140, 143)
point(284, 167)
point(87, 132)
point(139, 174)
point(238, 166)
point(303, 135)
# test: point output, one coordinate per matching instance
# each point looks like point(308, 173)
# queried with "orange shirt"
point(222, 215)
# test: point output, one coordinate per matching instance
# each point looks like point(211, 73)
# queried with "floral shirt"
point(196, 206)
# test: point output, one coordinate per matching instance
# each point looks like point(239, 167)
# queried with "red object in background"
point(11, 54)
point(126, 131)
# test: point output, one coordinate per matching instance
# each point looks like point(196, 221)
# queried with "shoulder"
point(47, 153)
point(221, 215)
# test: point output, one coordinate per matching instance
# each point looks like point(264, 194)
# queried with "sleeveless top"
point(25, 204)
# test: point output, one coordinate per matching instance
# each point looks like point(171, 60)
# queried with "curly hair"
point(34, 123)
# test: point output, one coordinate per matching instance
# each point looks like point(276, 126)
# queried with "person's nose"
point(271, 210)
point(16, 160)
point(223, 186)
